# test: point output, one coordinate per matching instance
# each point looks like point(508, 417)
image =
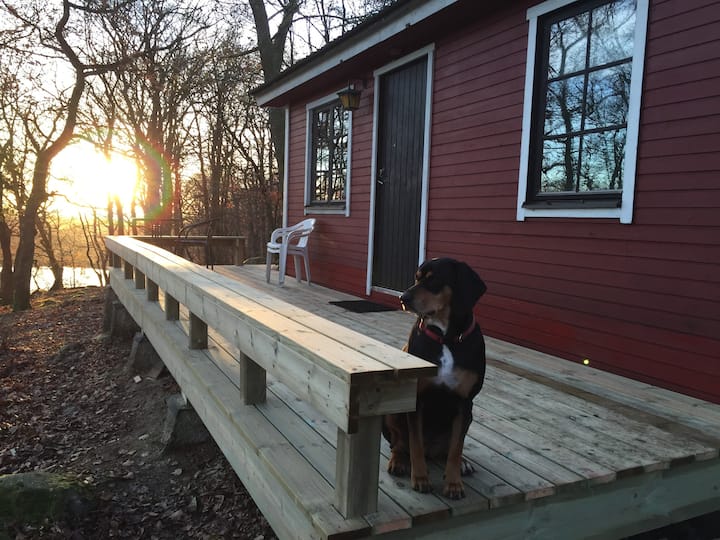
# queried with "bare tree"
point(156, 77)
point(149, 100)
point(272, 57)
point(52, 128)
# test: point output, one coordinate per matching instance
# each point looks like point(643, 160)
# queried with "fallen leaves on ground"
point(68, 404)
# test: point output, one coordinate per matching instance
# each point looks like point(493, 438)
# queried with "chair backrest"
point(301, 232)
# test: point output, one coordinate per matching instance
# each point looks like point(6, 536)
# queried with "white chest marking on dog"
point(446, 375)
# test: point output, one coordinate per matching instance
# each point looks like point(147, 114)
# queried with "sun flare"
point(83, 178)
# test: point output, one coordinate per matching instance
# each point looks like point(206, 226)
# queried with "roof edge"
point(383, 26)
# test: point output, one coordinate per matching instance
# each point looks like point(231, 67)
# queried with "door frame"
point(425, 51)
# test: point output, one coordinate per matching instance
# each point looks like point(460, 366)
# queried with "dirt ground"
point(67, 404)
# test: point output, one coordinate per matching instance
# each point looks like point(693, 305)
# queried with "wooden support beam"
point(152, 290)
point(356, 468)
point(116, 260)
point(139, 279)
point(172, 308)
point(253, 381)
point(128, 270)
point(198, 333)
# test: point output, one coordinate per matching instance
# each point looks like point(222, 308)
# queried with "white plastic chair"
point(290, 241)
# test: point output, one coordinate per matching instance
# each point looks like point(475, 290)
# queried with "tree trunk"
point(277, 135)
point(57, 272)
point(38, 194)
point(26, 248)
point(44, 229)
point(6, 275)
point(272, 49)
point(120, 216)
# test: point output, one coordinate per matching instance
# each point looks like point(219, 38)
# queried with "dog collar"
point(440, 338)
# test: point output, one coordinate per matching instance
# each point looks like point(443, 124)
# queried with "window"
point(580, 135)
point(328, 151)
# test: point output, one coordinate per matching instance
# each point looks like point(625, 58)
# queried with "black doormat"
point(362, 306)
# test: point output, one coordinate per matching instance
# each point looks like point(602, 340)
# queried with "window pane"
point(563, 109)
point(568, 45)
point(559, 165)
point(613, 31)
point(339, 165)
point(603, 157)
point(586, 99)
point(329, 156)
point(608, 97)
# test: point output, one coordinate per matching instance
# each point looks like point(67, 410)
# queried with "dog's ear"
point(470, 286)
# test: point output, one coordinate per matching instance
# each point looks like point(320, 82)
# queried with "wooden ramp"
point(560, 450)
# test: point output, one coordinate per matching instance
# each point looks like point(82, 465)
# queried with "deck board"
point(546, 432)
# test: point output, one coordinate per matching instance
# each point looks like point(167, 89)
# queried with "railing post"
point(198, 333)
point(128, 270)
point(139, 279)
point(152, 291)
point(253, 381)
point(172, 308)
point(357, 468)
point(116, 260)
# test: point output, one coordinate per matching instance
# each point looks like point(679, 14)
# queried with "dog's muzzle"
point(406, 301)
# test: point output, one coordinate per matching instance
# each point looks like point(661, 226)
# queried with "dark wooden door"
point(399, 175)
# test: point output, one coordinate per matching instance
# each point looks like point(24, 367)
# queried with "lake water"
point(42, 278)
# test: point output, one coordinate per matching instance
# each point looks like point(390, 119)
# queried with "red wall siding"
point(638, 299)
point(642, 299)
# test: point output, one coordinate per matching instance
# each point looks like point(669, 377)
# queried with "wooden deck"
point(561, 450)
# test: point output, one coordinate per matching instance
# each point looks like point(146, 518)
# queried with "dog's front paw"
point(454, 490)
point(421, 484)
point(399, 464)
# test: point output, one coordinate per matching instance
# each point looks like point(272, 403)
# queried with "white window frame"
point(319, 208)
point(625, 212)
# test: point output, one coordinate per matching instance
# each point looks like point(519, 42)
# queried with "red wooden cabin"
point(568, 150)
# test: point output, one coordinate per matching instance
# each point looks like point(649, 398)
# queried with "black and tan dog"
point(446, 334)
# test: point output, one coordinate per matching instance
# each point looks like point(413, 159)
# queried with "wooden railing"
point(232, 336)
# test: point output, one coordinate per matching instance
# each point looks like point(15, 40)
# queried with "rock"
point(110, 297)
point(143, 358)
point(32, 497)
point(69, 353)
point(122, 325)
point(182, 425)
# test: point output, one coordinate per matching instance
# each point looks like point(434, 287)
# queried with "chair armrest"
point(277, 233)
point(286, 233)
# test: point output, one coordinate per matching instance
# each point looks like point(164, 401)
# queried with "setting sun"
point(84, 177)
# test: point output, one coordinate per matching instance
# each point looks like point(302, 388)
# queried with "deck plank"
point(543, 445)
point(623, 427)
point(623, 458)
point(703, 416)
point(557, 475)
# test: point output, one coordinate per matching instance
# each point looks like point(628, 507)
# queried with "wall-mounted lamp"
point(349, 98)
